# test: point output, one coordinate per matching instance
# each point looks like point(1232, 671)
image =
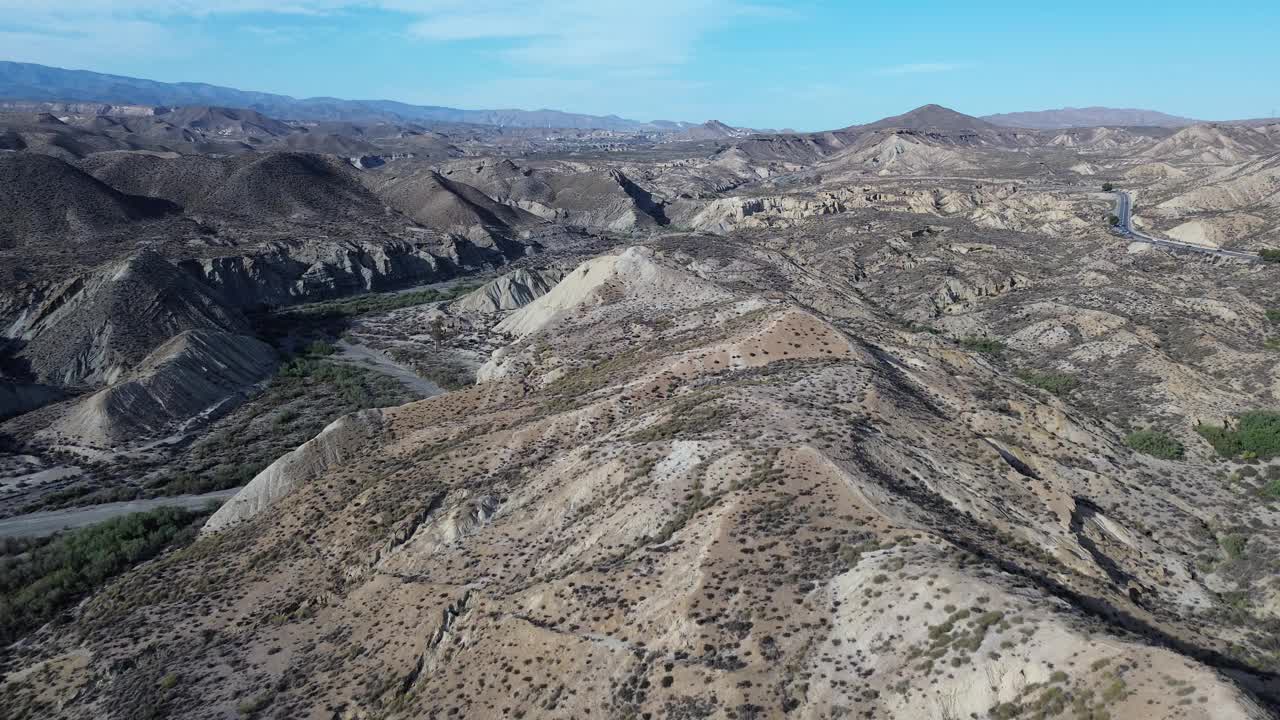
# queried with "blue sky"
point(805, 65)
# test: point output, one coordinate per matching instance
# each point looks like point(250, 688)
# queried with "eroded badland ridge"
point(886, 421)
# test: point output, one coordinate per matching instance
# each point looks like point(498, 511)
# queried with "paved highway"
point(1124, 211)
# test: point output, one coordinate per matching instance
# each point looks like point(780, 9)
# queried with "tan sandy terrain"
point(740, 426)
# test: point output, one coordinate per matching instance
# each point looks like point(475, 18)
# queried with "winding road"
point(366, 356)
point(39, 524)
point(1124, 211)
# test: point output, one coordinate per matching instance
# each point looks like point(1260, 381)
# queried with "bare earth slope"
point(695, 502)
point(769, 425)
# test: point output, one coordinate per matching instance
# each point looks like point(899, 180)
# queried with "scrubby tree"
point(1155, 444)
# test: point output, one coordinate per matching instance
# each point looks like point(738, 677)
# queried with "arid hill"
point(891, 421)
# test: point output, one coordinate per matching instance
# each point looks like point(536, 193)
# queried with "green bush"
point(222, 477)
point(1256, 435)
point(983, 345)
point(320, 348)
point(1274, 316)
point(1056, 383)
point(1271, 256)
point(1155, 444)
point(1108, 187)
point(52, 577)
point(1271, 490)
point(1234, 546)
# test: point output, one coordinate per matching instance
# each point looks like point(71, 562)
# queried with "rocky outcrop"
point(568, 193)
point(956, 292)
point(196, 376)
point(726, 214)
point(90, 329)
point(633, 271)
point(511, 291)
point(286, 274)
point(338, 442)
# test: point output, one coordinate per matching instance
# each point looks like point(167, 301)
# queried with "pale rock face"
point(510, 292)
point(634, 270)
point(90, 329)
point(198, 375)
point(496, 367)
point(288, 275)
point(337, 443)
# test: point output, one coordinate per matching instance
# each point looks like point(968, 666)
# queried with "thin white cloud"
point(921, 68)
point(583, 32)
point(69, 43)
point(656, 33)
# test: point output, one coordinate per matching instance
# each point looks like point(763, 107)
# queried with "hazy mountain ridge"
point(32, 82)
point(1069, 117)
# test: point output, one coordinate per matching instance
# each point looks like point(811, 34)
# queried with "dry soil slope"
point(259, 188)
point(196, 375)
point(44, 200)
point(568, 193)
point(1213, 145)
point(688, 502)
point(90, 329)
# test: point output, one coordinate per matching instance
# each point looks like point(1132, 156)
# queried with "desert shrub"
point(358, 388)
point(36, 586)
point(1056, 383)
point(1257, 434)
point(331, 319)
point(222, 477)
point(1108, 187)
point(1234, 545)
point(253, 705)
point(1155, 444)
point(449, 377)
point(78, 495)
point(1273, 316)
point(983, 345)
point(1268, 255)
point(320, 348)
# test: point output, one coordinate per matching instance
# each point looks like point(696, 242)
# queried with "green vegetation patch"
point(375, 303)
point(1155, 444)
point(983, 345)
point(43, 578)
point(1234, 545)
point(332, 317)
point(1271, 256)
point(1056, 383)
point(1256, 435)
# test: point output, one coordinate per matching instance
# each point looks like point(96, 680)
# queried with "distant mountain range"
point(28, 81)
point(1088, 117)
point(42, 83)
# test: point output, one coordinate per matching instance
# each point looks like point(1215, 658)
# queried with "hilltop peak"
point(931, 117)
